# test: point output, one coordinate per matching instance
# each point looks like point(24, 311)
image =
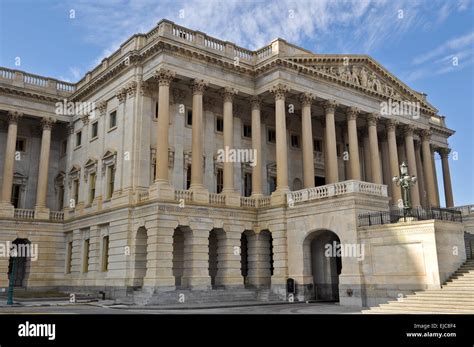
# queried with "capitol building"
point(187, 166)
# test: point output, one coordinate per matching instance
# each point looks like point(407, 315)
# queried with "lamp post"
point(11, 284)
point(405, 181)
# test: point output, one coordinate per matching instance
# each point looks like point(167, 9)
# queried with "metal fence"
point(397, 215)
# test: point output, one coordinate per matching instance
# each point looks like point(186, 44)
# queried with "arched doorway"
point(19, 253)
point(178, 256)
point(140, 255)
point(213, 255)
point(324, 263)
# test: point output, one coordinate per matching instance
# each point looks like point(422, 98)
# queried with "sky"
point(428, 44)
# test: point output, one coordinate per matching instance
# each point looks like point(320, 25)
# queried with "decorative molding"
point(164, 77)
point(47, 123)
point(306, 99)
point(101, 106)
point(329, 106)
point(352, 113)
point(131, 88)
point(256, 102)
point(199, 86)
point(14, 117)
point(121, 95)
point(279, 90)
point(228, 94)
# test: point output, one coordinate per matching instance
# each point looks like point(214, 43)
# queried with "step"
point(442, 295)
point(422, 308)
point(434, 298)
point(466, 304)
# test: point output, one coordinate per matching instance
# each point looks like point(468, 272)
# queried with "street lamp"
point(405, 181)
point(11, 284)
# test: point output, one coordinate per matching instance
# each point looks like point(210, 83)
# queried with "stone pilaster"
point(228, 262)
point(259, 272)
point(257, 146)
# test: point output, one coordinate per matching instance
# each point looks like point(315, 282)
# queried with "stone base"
point(161, 191)
point(279, 197)
point(6, 210)
point(232, 198)
point(41, 213)
point(200, 195)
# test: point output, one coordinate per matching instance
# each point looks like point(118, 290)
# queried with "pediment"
point(363, 73)
point(90, 162)
point(74, 169)
point(109, 153)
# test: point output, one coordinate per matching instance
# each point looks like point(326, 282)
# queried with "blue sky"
point(418, 41)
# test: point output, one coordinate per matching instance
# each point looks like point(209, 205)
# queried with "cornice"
point(29, 94)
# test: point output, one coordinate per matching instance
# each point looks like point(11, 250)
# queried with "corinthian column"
point(6, 208)
point(354, 162)
point(393, 157)
point(228, 181)
point(307, 137)
point(257, 146)
point(281, 145)
point(410, 152)
point(427, 165)
point(41, 211)
point(374, 149)
point(332, 175)
point(448, 190)
point(164, 78)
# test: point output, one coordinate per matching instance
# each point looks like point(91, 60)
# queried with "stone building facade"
point(119, 180)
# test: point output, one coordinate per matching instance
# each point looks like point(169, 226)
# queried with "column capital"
point(425, 134)
point(121, 95)
point(47, 123)
point(372, 119)
point(280, 91)
point(199, 86)
point(352, 113)
point(444, 152)
point(164, 76)
point(85, 119)
point(131, 88)
point(14, 116)
point(256, 102)
point(329, 105)
point(70, 128)
point(391, 124)
point(306, 99)
point(408, 130)
point(228, 94)
point(101, 106)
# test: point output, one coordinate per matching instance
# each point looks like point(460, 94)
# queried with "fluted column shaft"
point(281, 143)
point(332, 175)
point(354, 162)
point(228, 181)
point(9, 163)
point(410, 153)
point(393, 157)
point(42, 188)
point(448, 190)
point(435, 176)
point(374, 149)
point(307, 140)
point(257, 146)
point(162, 141)
point(427, 165)
point(197, 134)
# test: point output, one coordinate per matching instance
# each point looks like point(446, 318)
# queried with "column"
point(367, 158)
point(374, 148)
point(228, 181)
point(332, 175)
point(196, 257)
point(448, 191)
point(6, 209)
point(229, 262)
point(281, 144)
point(307, 140)
point(199, 191)
point(435, 176)
point(427, 165)
point(393, 160)
point(411, 162)
point(41, 211)
point(421, 179)
point(257, 146)
point(385, 159)
point(354, 161)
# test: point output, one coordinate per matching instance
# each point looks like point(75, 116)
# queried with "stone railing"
point(23, 213)
point(216, 199)
point(336, 189)
point(247, 201)
point(28, 80)
point(56, 216)
point(143, 196)
point(183, 195)
point(466, 210)
point(255, 202)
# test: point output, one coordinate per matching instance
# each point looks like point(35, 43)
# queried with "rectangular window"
point(63, 149)
point(111, 181)
point(295, 141)
point(20, 145)
point(219, 180)
point(188, 176)
point(78, 138)
point(16, 188)
point(317, 145)
point(247, 184)
point(95, 130)
point(189, 117)
point(271, 136)
point(339, 149)
point(75, 191)
point(272, 184)
point(156, 110)
point(219, 124)
point(85, 256)
point(247, 130)
point(61, 197)
point(92, 179)
point(105, 254)
point(69, 257)
point(113, 119)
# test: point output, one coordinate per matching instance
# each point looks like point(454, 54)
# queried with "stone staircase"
point(455, 296)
